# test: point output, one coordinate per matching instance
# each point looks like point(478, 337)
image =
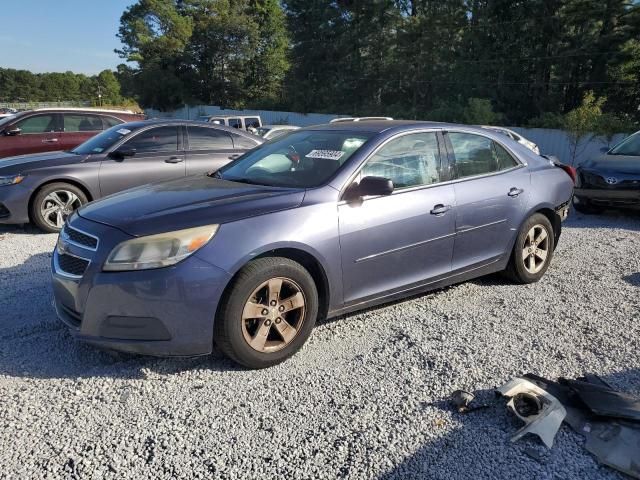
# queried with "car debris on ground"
point(608, 420)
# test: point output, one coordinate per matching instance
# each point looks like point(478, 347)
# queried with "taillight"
point(571, 171)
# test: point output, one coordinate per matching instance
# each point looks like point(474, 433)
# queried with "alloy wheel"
point(273, 315)
point(536, 249)
point(57, 206)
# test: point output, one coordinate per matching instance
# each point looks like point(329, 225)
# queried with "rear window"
point(81, 123)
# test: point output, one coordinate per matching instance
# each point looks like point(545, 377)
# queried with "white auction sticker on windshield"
point(325, 154)
point(123, 131)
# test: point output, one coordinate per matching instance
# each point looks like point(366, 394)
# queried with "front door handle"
point(514, 192)
point(50, 140)
point(234, 156)
point(174, 160)
point(440, 209)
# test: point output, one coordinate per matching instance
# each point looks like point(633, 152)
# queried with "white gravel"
point(366, 398)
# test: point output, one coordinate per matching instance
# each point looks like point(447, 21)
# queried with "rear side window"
point(111, 122)
point(252, 122)
point(38, 124)
point(160, 139)
point(201, 138)
point(478, 155)
point(240, 141)
point(81, 123)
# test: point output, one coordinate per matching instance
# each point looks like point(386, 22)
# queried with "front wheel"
point(532, 251)
point(54, 203)
point(268, 312)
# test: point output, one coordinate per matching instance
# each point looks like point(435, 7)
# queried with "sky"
point(60, 35)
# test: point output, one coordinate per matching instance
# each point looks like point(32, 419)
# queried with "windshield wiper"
point(247, 181)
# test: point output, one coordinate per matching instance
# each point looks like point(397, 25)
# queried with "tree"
point(582, 122)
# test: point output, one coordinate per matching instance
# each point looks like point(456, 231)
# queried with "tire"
point(585, 207)
point(521, 272)
point(248, 325)
point(62, 199)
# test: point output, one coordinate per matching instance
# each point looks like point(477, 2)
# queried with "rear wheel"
point(532, 251)
point(268, 312)
point(54, 203)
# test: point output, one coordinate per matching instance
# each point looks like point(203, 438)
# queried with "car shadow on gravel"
point(633, 279)
point(27, 229)
point(35, 344)
point(623, 219)
point(479, 446)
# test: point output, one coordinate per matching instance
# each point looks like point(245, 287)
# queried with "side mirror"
point(122, 153)
point(14, 131)
point(604, 149)
point(375, 186)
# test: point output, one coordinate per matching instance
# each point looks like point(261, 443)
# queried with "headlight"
point(156, 251)
point(11, 180)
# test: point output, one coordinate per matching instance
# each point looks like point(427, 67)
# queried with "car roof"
point(78, 109)
point(178, 121)
point(379, 126)
point(280, 126)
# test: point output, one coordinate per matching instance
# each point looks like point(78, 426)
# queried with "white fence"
point(551, 142)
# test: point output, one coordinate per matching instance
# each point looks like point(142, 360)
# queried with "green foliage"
point(547, 120)
point(229, 53)
point(479, 111)
point(582, 122)
point(22, 85)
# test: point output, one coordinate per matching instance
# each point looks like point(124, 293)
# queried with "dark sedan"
point(46, 188)
point(327, 220)
point(610, 180)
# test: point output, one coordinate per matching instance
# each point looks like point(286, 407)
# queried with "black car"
point(46, 188)
point(610, 180)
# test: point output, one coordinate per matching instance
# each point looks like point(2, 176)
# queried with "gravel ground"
point(366, 398)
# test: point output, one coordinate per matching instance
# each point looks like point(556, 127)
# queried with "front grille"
point(72, 265)
point(80, 238)
point(4, 211)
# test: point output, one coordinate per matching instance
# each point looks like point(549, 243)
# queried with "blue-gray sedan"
point(323, 221)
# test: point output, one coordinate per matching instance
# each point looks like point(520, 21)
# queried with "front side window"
point(252, 122)
point(81, 123)
point(408, 161)
point(478, 155)
point(201, 138)
point(303, 159)
point(235, 123)
point(111, 122)
point(38, 124)
point(160, 139)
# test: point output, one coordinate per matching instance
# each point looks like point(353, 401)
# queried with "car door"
point(490, 187)
point(158, 156)
point(78, 127)
point(33, 134)
point(404, 239)
point(208, 149)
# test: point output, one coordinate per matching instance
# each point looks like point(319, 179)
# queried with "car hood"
point(615, 164)
point(188, 202)
point(24, 163)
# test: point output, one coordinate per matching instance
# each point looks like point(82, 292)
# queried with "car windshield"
point(5, 120)
point(262, 131)
point(301, 159)
point(629, 146)
point(103, 141)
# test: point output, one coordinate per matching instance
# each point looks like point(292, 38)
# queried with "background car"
point(611, 179)
point(46, 188)
point(49, 129)
point(327, 220)
point(515, 136)
point(269, 132)
point(240, 122)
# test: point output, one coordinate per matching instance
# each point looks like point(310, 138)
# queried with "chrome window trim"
point(85, 247)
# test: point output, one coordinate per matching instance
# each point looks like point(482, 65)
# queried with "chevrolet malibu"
point(327, 220)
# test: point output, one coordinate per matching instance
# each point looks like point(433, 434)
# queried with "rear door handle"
point(174, 160)
point(50, 140)
point(514, 192)
point(440, 209)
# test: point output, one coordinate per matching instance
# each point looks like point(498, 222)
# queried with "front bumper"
point(609, 197)
point(14, 203)
point(163, 312)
